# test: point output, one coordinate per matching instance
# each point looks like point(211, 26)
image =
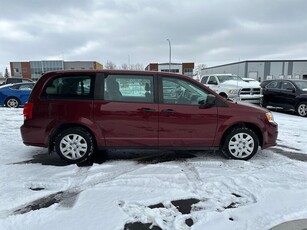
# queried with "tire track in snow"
point(216, 195)
point(68, 197)
point(193, 178)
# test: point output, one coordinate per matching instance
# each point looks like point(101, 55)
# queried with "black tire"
point(301, 109)
point(74, 145)
point(12, 102)
point(241, 143)
point(263, 103)
point(223, 95)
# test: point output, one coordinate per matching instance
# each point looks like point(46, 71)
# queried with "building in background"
point(34, 69)
point(181, 68)
point(263, 69)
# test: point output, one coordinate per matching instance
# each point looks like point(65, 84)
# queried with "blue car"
point(15, 95)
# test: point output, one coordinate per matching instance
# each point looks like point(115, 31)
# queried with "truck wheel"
point(241, 143)
point(301, 109)
point(74, 145)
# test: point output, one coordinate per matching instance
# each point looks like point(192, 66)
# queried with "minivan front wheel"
point(241, 143)
point(74, 145)
point(301, 109)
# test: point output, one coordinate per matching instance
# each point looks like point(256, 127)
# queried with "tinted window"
point(77, 86)
point(212, 80)
point(204, 79)
point(129, 88)
point(23, 87)
point(177, 91)
point(301, 85)
point(273, 85)
point(287, 86)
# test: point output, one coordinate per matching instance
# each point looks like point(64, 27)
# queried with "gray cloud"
point(210, 32)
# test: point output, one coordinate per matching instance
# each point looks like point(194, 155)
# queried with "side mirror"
point(211, 100)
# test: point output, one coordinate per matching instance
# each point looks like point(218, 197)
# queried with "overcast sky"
point(207, 32)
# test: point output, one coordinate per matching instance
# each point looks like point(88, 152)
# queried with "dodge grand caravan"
point(75, 113)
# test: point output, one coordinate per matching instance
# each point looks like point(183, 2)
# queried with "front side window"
point(178, 91)
point(129, 88)
point(212, 80)
point(204, 79)
point(273, 85)
point(69, 87)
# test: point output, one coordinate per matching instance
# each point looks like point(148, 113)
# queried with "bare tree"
point(6, 74)
point(137, 66)
point(125, 66)
point(198, 70)
point(110, 65)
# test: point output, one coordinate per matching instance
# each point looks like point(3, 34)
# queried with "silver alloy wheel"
point(12, 103)
point(302, 109)
point(241, 145)
point(73, 146)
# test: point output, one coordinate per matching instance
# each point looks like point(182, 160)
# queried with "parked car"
point(139, 109)
point(15, 95)
point(233, 87)
point(12, 80)
point(287, 94)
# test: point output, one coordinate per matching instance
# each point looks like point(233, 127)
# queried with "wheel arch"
point(12, 97)
point(298, 103)
point(223, 94)
point(251, 126)
point(66, 126)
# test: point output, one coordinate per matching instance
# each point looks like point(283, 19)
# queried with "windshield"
point(223, 78)
point(301, 84)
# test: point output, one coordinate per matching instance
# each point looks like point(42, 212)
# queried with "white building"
point(263, 69)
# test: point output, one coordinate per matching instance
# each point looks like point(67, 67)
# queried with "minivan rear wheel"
point(241, 143)
point(301, 109)
point(74, 145)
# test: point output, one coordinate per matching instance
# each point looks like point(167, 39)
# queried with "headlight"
point(233, 91)
point(269, 116)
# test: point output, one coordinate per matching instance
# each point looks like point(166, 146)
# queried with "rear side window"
point(72, 87)
point(23, 87)
point(287, 86)
point(129, 88)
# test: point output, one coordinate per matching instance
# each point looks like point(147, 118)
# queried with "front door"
point(184, 118)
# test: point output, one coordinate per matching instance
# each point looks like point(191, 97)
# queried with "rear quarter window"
point(69, 87)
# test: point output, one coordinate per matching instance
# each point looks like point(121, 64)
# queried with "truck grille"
point(250, 91)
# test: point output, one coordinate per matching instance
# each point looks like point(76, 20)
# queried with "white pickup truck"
point(233, 87)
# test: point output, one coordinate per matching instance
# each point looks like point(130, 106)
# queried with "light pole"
point(170, 55)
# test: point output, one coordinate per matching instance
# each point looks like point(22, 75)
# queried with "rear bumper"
point(33, 136)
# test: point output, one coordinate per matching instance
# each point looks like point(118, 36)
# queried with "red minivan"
point(76, 112)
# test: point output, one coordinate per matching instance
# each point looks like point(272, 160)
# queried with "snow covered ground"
point(39, 191)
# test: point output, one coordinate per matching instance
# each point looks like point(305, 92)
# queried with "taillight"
point(28, 110)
